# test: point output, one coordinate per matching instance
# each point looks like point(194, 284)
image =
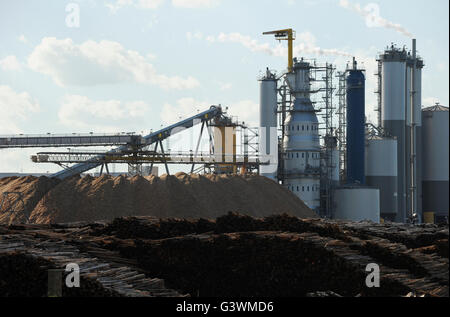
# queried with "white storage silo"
point(381, 173)
point(435, 140)
point(393, 114)
point(268, 125)
point(356, 203)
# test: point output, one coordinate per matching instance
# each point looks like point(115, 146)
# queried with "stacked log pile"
point(235, 255)
point(28, 252)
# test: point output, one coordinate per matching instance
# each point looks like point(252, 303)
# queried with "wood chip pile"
point(181, 195)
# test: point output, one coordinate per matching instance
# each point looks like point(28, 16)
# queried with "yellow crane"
point(288, 35)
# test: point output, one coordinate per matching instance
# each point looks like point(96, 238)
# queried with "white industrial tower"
point(301, 144)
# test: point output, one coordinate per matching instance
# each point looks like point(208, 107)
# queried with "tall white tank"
point(381, 173)
point(268, 146)
point(393, 115)
point(301, 144)
point(435, 140)
point(356, 203)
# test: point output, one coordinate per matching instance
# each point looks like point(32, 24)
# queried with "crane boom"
point(288, 35)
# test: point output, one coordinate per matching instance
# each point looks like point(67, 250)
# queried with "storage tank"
point(268, 125)
point(393, 114)
point(301, 144)
point(356, 203)
point(435, 140)
point(355, 125)
point(381, 173)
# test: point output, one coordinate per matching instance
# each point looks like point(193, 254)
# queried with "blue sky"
point(133, 65)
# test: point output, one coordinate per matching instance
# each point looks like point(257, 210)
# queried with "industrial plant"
point(356, 170)
point(325, 152)
point(298, 206)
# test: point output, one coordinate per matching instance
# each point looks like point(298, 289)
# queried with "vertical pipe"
point(413, 139)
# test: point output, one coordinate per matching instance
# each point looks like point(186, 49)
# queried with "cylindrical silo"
point(435, 154)
point(355, 125)
point(268, 125)
point(381, 173)
point(393, 114)
point(356, 203)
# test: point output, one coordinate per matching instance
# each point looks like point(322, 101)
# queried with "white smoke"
point(371, 13)
point(307, 45)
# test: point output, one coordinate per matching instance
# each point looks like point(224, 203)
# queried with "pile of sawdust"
point(176, 196)
point(17, 208)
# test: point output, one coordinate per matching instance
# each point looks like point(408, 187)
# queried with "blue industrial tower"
point(355, 125)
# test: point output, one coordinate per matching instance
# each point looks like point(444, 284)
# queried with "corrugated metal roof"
point(436, 107)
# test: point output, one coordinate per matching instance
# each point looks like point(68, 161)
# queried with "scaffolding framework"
point(322, 86)
point(341, 131)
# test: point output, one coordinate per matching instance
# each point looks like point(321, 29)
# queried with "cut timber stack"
point(236, 255)
point(27, 254)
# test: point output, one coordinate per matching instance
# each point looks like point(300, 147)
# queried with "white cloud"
point(18, 161)
point(15, 108)
point(155, 4)
point(306, 44)
point(371, 13)
point(194, 35)
point(23, 39)
point(149, 4)
point(195, 3)
point(442, 67)
point(246, 111)
point(94, 63)
point(225, 86)
point(140, 4)
point(210, 38)
point(184, 108)
point(429, 101)
point(80, 112)
point(10, 63)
